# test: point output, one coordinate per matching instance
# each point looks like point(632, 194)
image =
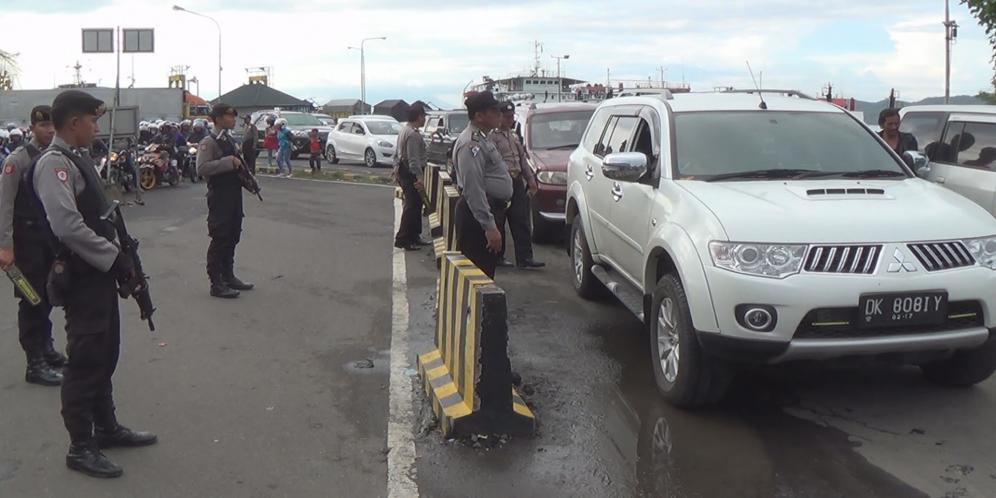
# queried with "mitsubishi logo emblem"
point(899, 263)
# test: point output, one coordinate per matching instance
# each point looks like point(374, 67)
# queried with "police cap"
point(507, 108)
point(41, 114)
point(416, 110)
point(75, 103)
point(220, 110)
point(480, 102)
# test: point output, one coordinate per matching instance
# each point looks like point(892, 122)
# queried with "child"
point(270, 141)
point(316, 152)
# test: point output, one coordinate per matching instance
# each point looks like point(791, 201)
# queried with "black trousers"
point(315, 161)
point(34, 258)
point(471, 238)
point(250, 157)
point(225, 229)
point(410, 229)
point(93, 329)
point(517, 221)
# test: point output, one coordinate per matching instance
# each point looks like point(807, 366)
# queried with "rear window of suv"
point(718, 143)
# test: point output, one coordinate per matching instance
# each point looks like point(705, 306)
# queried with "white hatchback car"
point(746, 230)
point(368, 138)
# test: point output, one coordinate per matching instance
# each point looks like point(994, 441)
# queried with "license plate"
point(903, 309)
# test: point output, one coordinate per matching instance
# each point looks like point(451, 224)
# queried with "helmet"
point(11, 126)
point(281, 122)
point(185, 122)
point(143, 126)
point(200, 122)
point(3, 135)
point(16, 132)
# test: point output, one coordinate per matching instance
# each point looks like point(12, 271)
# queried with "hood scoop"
point(817, 192)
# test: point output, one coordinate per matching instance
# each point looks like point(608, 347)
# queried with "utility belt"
point(499, 205)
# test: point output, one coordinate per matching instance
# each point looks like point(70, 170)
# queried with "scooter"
point(156, 167)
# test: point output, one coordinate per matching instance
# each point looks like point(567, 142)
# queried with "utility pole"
point(663, 83)
point(363, 70)
point(950, 34)
point(560, 81)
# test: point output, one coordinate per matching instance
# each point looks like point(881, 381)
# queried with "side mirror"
point(917, 162)
point(625, 166)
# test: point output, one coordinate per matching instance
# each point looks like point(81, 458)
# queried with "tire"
point(585, 283)
point(370, 158)
point(330, 154)
point(684, 374)
point(964, 368)
point(147, 179)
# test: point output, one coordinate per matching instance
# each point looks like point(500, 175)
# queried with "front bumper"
point(385, 155)
point(551, 202)
point(795, 297)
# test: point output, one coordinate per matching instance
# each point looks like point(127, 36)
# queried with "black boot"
point(54, 358)
point(40, 373)
point(233, 282)
point(123, 437)
point(86, 458)
point(223, 291)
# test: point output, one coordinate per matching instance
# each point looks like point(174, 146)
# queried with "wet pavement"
point(806, 430)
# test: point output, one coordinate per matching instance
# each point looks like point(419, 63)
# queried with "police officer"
point(218, 161)
point(523, 185)
point(21, 234)
point(66, 186)
point(484, 182)
point(409, 166)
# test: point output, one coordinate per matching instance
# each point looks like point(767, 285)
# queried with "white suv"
point(367, 138)
point(776, 230)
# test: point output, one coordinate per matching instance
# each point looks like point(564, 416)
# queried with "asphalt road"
point(355, 167)
point(285, 392)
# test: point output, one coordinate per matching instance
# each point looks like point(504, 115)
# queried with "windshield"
point(458, 122)
point(558, 130)
point(711, 144)
point(301, 120)
point(383, 127)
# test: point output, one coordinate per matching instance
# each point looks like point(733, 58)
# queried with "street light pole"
point(950, 33)
point(560, 81)
point(181, 9)
point(363, 69)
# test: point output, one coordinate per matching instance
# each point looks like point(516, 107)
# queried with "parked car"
point(550, 133)
point(326, 119)
point(742, 232)
point(960, 142)
point(300, 124)
point(441, 130)
point(367, 138)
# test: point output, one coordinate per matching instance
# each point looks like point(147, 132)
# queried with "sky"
point(432, 53)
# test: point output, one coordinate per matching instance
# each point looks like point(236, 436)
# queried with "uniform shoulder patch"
point(62, 174)
point(475, 150)
point(9, 168)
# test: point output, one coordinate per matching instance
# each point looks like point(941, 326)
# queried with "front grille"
point(841, 323)
point(843, 259)
point(937, 256)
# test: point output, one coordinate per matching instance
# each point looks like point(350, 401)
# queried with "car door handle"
point(589, 172)
point(940, 179)
point(617, 193)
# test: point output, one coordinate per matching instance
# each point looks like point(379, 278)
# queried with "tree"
point(985, 11)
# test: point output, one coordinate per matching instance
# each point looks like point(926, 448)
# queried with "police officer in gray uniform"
point(484, 182)
point(409, 167)
point(64, 183)
point(218, 160)
point(24, 243)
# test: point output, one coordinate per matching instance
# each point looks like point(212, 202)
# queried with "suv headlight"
point(984, 251)
point(552, 177)
point(765, 260)
point(385, 143)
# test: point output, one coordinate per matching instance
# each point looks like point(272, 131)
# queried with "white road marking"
point(401, 416)
point(327, 181)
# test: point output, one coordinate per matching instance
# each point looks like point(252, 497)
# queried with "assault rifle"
point(138, 285)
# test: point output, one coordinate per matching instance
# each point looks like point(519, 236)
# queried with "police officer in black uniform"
point(218, 160)
point(64, 183)
point(21, 235)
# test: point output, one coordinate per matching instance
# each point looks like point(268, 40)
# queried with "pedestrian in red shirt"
point(270, 142)
point(316, 151)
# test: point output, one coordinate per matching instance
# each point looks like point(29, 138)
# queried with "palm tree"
point(8, 69)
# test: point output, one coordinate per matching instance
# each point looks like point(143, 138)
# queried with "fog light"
point(757, 317)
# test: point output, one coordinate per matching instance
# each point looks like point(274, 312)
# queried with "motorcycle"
point(188, 162)
point(121, 170)
point(156, 167)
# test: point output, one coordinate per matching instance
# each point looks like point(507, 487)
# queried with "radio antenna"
point(763, 104)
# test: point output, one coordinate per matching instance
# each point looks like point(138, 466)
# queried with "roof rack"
point(752, 91)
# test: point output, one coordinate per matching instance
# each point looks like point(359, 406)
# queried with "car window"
point(945, 150)
point(458, 123)
point(301, 120)
point(976, 146)
point(557, 130)
point(925, 126)
point(717, 143)
point(358, 129)
point(622, 135)
point(596, 128)
point(384, 127)
point(345, 126)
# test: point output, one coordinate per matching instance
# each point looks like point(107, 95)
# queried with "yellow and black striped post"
point(447, 240)
point(431, 177)
point(442, 179)
point(468, 375)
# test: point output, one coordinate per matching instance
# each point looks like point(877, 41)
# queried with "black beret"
point(40, 114)
point(75, 103)
point(508, 108)
point(221, 109)
point(480, 102)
